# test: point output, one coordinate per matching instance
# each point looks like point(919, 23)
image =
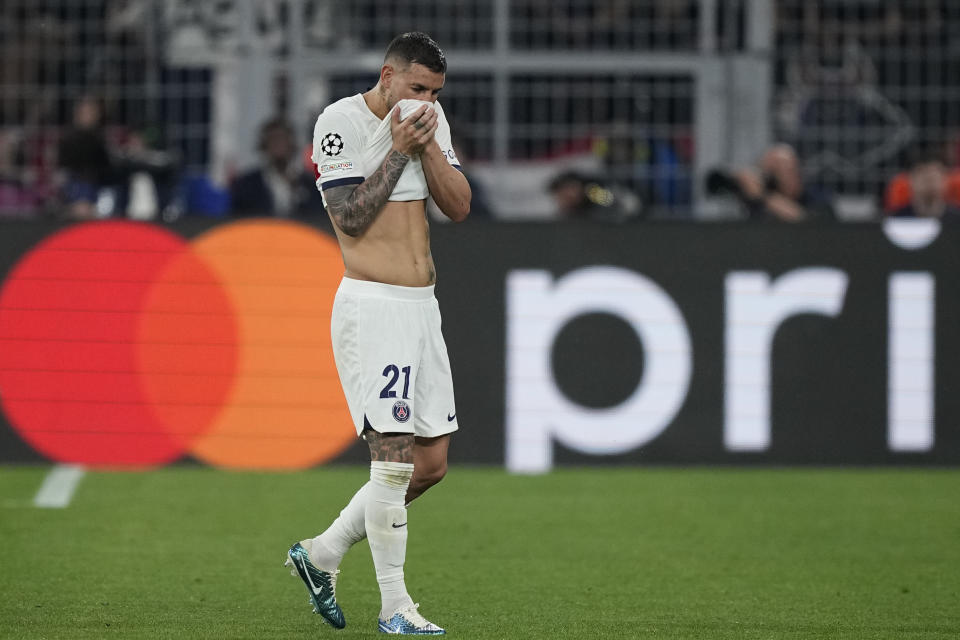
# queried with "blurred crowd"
point(620, 148)
point(99, 171)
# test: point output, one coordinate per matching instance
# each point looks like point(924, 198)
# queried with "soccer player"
point(379, 155)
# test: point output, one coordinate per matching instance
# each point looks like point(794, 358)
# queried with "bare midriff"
point(395, 249)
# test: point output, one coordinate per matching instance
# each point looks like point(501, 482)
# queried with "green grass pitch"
point(582, 553)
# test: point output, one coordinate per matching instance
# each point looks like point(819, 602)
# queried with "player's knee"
point(437, 473)
point(427, 477)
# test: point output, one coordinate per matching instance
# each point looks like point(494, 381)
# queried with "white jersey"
point(350, 143)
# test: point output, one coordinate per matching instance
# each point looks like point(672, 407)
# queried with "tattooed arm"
point(355, 208)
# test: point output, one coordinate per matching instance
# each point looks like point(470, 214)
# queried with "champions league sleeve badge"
point(401, 411)
point(332, 144)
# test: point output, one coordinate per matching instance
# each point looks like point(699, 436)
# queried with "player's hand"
point(411, 135)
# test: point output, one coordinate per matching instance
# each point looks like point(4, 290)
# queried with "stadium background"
point(685, 424)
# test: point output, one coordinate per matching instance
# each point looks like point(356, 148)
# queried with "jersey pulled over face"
point(350, 143)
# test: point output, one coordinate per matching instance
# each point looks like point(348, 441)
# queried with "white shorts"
point(391, 358)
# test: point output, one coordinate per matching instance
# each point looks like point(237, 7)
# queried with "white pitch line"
point(58, 487)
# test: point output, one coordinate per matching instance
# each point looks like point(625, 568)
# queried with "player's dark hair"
point(416, 47)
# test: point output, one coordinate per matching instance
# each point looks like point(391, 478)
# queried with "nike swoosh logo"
point(397, 526)
point(316, 590)
point(451, 417)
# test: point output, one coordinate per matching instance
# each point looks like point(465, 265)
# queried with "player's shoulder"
point(336, 127)
point(342, 119)
point(348, 107)
point(343, 114)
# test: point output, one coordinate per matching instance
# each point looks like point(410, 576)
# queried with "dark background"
point(829, 374)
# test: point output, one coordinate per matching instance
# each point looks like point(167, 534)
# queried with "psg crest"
point(332, 144)
point(401, 411)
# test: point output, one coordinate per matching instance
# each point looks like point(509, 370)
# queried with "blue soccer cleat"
point(409, 622)
point(322, 585)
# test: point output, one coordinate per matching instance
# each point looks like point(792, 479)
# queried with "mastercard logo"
point(123, 344)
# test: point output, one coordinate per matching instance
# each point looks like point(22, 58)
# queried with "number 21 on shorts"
point(392, 373)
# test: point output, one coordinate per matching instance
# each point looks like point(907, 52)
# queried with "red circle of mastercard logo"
point(122, 344)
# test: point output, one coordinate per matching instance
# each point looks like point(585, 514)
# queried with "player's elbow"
point(351, 230)
point(459, 212)
point(348, 226)
point(459, 208)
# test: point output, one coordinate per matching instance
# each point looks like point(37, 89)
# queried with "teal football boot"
point(322, 585)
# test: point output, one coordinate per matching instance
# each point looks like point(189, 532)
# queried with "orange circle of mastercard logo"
point(122, 344)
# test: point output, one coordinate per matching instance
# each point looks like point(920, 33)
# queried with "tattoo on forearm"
point(396, 447)
point(355, 209)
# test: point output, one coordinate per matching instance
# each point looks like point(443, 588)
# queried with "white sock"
point(328, 548)
point(386, 524)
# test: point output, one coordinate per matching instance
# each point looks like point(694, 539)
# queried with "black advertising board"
point(126, 344)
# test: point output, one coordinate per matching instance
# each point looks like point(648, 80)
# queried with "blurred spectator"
point(149, 175)
point(774, 190)
point(281, 185)
point(84, 159)
point(928, 191)
point(649, 171)
point(15, 199)
point(578, 196)
point(899, 192)
point(860, 80)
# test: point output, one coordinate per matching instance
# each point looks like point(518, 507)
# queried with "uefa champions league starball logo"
point(401, 411)
point(332, 144)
